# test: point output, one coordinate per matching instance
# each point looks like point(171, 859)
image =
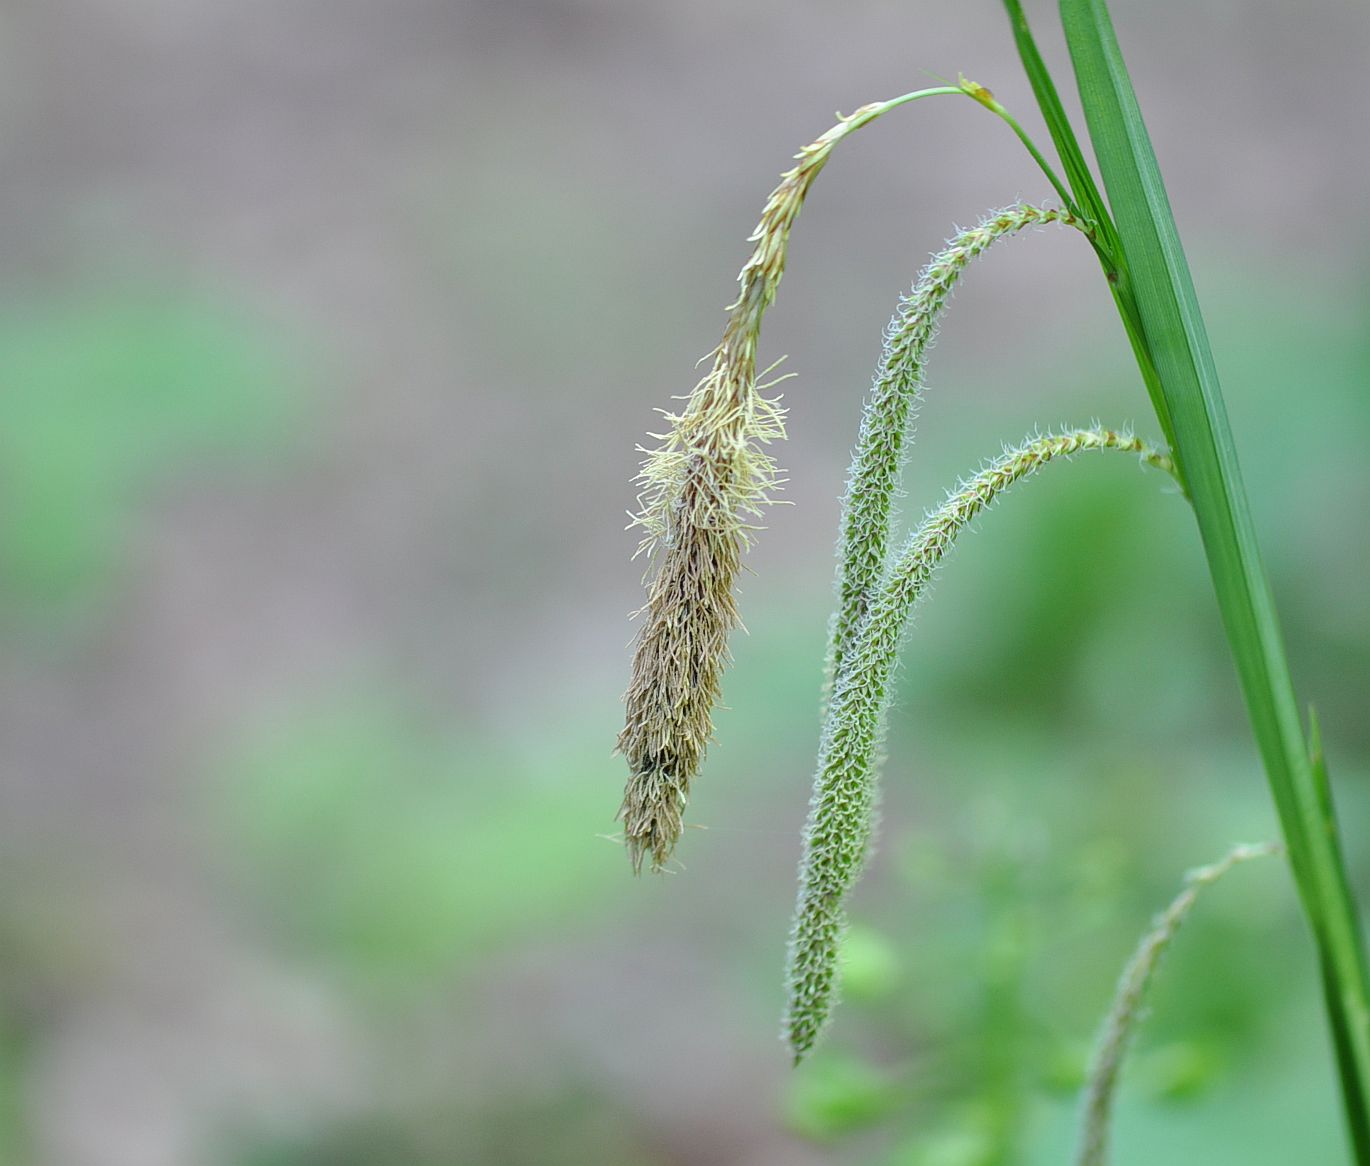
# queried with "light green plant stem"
point(842, 809)
point(886, 426)
point(990, 102)
point(1126, 1010)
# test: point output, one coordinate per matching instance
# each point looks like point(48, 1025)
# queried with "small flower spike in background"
point(1126, 1012)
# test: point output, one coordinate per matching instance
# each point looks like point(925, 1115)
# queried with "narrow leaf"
point(1176, 344)
point(1091, 204)
point(1077, 170)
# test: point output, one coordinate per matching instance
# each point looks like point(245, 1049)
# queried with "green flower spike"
point(842, 811)
point(886, 426)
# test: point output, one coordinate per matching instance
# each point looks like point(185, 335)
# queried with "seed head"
point(702, 494)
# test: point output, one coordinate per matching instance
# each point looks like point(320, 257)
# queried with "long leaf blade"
point(1176, 343)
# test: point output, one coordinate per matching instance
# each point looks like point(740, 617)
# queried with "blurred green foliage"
point(389, 835)
point(575, 1127)
point(1067, 742)
point(104, 396)
point(841, 1094)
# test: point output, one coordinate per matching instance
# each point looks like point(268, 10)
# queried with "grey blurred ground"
point(480, 242)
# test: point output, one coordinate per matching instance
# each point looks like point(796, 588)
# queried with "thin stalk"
point(1092, 202)
point(1127, 1007)
point(991, 103)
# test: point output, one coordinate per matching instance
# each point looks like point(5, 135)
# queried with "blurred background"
point(328, 329)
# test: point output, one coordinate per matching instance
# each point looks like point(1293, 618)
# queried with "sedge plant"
point(1125, 1012)
point(704, 489)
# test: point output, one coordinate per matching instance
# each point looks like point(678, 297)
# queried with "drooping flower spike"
point(842, 811)
point(891, 407)
point(703, 491)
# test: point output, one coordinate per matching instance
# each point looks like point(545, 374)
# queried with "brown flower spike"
point(703, 490)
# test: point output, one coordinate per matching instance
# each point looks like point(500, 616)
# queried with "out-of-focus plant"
point(1130, 998)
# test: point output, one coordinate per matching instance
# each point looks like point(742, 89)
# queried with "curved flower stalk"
point(886, 425)
point(841, 812)
point(1126, 1009)
point(702, 492)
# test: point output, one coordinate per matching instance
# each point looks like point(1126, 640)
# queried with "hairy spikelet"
point(841, 813)
point(702, 494)
point(886, 426)
point(1126, 1009)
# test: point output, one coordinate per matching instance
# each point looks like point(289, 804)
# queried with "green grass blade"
point(1342, 1026)
point(1077, 170)
point(1176, 345)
